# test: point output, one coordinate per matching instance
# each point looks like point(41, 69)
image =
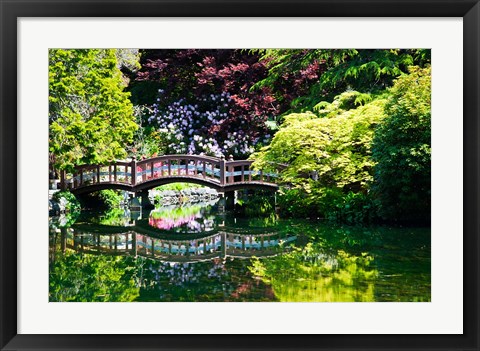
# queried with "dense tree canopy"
point(303, 78)
point(90, 115)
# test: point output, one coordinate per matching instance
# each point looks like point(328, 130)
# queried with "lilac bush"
point(206, 127)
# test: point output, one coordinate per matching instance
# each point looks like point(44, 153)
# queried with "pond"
point(200, 252)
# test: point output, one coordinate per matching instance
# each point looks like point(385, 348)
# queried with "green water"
point(198, 253)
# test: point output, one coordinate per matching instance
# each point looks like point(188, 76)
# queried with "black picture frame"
point(11, 10)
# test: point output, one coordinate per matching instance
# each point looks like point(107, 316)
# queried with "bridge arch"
point(153, 183)
point(102, 186)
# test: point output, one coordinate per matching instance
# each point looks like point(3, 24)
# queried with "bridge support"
point(230, 200)
point(227, 201)
point(144, 199)
point(140, 201)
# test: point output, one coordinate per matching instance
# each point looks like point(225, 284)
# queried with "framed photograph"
point(239, 175)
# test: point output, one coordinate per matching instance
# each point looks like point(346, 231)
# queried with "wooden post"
point(204, 170)
point(195, 170)
point(161, 168)
point(110, 173)
point(81, 176)
point(115, 173)
point(98, 174)
point(231, 169)
point(243, 173)
point(186, 167)
point(222, 171)
point(144, 172)
point(169, 167)
point(152, 166)
point(133, 165)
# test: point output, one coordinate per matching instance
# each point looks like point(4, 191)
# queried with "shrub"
point(402, 150)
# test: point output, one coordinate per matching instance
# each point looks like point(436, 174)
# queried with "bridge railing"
point(191, 166)
point(84, 175)
point(242, 171)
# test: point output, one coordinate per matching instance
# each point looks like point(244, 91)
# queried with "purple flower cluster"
point(203, 128)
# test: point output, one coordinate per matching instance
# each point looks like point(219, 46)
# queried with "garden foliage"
point(200, 101)
point(329, 158)
point(352, 126)
point(402, 150)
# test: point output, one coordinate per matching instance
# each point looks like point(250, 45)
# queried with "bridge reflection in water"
point(221, 245)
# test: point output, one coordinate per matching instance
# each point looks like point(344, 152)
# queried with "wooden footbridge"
point(136, 176)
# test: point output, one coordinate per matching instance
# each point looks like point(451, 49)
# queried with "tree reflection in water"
point(238, 260)
point(310, 274)
point(216, 280)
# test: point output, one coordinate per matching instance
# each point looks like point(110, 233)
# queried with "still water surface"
point(197, 252)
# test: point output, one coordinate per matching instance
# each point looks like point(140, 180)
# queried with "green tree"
point(328, 157)
point(402, 150)
point(306, 77)
point(90, 116)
